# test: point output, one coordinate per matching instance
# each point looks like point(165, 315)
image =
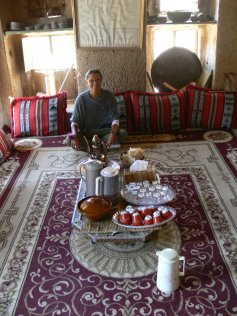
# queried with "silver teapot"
point(97, 150)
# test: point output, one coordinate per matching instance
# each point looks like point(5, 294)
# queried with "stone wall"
point(121, 69)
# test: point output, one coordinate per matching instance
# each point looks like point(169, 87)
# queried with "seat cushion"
point(39, 116)
point(6, 146)
point(210, 109)
point(158, 112)
point(125, 110)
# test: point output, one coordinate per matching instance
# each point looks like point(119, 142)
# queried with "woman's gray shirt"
point(94, 113)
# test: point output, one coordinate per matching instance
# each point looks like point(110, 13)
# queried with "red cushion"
point(158, 112)
point(5, 146)
point(39, 116)
point(210, 109)
point(125, 110)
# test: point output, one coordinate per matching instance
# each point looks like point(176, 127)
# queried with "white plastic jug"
point(168, 270)
point(108, 183)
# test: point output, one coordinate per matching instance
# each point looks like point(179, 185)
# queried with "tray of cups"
point(148, 193)
point(141, 218)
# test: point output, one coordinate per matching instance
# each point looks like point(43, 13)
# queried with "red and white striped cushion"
point(210, 109)
point(39, 116)
point(5, 146)
point(158, 112)
point(125, 110)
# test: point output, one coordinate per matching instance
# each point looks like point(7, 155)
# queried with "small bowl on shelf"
point(17, 26)
point(179, 16)
point(94, 207)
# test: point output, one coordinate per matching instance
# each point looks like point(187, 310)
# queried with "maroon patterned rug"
point(40, 274)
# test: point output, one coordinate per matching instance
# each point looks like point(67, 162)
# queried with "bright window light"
point(48, 52)
point(37, 53)
point(169, 5)
point(63, 51)
point(186, 39)
point(165, 39)
point(162, 41)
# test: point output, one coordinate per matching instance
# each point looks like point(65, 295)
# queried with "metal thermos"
point(91, 170)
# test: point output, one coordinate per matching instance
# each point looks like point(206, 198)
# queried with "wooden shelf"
point(168, 23)
point(41, 32)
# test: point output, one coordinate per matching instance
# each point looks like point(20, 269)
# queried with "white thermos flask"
point(168, 271)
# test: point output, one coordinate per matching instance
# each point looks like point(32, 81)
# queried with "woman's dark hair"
point(92, 71)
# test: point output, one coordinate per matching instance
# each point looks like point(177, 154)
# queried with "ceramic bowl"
point(162, 19)
point(94, 207)
point(17, 26)
point(179, 16)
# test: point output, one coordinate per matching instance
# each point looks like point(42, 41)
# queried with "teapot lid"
point(109, 172)
point(169, 254)
point(94, 164)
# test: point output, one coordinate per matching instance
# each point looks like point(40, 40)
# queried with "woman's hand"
point(111, 140)
point(75, 143)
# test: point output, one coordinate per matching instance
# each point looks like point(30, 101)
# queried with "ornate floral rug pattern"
point(41, 275)
point(120, 260)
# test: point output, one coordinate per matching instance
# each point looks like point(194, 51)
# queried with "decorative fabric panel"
point(125, 110)
point(5, 146)
point(158, 112)
point(210, 109)
point(39, 116)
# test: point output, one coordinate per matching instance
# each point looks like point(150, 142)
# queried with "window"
point(50, 57)
point(163, 37)
point(167, 38)
point(48, 52)
point(174, 35)
point(199, 38)
point(168, 5)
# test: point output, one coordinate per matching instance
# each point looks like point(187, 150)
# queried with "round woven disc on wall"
point(176, 66)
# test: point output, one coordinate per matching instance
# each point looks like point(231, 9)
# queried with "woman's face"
point(94, 81)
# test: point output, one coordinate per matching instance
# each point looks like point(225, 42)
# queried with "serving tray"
point(157, 197)
point(156, 226)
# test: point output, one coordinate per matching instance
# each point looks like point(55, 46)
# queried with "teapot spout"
point(104, 148)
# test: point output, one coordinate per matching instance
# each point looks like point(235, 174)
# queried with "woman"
point(95, 113)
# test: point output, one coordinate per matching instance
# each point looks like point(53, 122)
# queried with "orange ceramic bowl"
point(94, 207)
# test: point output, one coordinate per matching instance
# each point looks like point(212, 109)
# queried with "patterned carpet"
point(215, 136)
point(45, 272)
